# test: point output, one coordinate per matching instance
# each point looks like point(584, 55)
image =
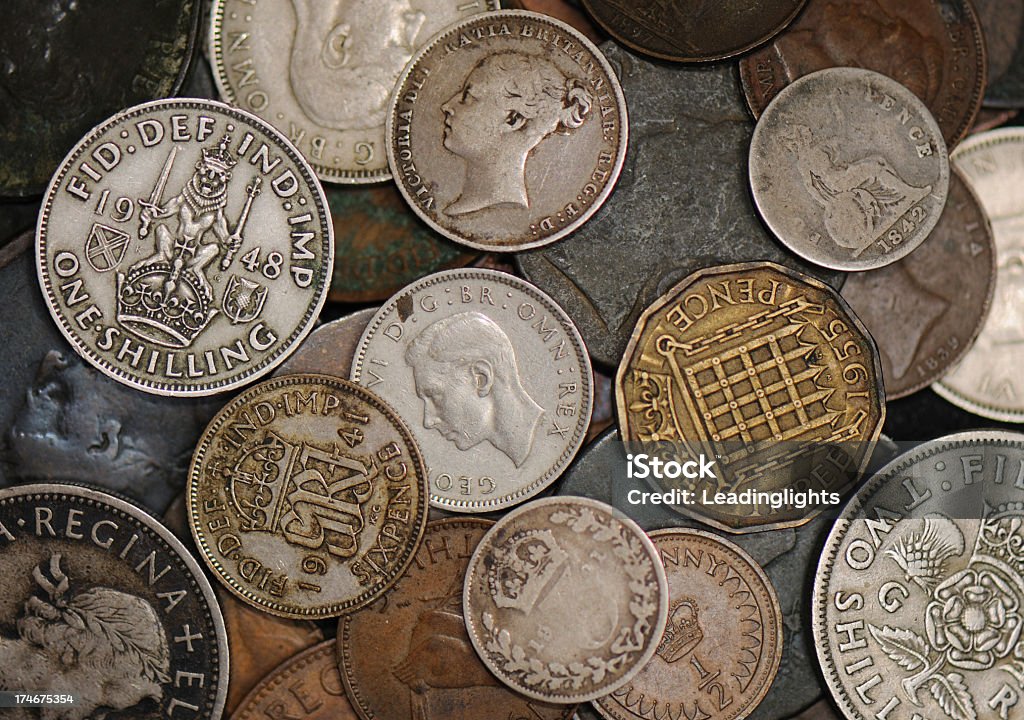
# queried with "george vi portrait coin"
point(507, 131)
point(184, 247)
point(493, 378)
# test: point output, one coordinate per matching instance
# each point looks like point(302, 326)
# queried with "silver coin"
point(184, 247)
point(918, 593)
point(322, 71)
point(849, 169)
point(493, 378)
point(987, 380)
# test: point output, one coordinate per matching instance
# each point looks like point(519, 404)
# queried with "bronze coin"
point(1003, 23)
point(330, 348)
point(989, 119)
point(934, 47)
point(694, 30)
point(925, 310)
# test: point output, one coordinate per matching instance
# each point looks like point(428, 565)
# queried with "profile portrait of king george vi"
point(465, 371)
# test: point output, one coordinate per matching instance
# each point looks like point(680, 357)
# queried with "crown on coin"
point(169, 315)
point(525, 566)
point(1000, 542)
point(682, 632)
point(257, 483)
point(221, 158)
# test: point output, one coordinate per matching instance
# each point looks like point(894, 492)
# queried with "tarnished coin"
point(102, 603)
point(1003, 23)
point(919, 589)
point(765, 370)
point(849, 169)
point(68, 65)
point(507, 131)
point(306, 686)
point(184, 247)
point(493, 378)
point(530, 593)
point(408, 655)
point(698, 668)
point(322, 71)
point(925, 310)
point(987, 380)
point(564, 10)
point(989, 119)
point(694, 30)
point(307, 496)
point(330, 348)
point(935, 48)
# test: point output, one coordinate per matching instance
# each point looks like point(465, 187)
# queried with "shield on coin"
point(105, 247)
point(243, 300)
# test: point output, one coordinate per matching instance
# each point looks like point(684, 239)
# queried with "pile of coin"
point(428, 359)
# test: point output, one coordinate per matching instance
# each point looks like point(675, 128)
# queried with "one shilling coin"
point(103, 604)
point(849, 169)
point(184, 247)
point(507, 131)
point(530, 593)
point(322, 71)
point(307, 496)
point(493, 378)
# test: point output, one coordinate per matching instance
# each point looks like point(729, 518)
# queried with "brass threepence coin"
point(330, 348)
point(848, 169)
point(723, 639)
point(408, 654)
point(322, 71)
point(935, 48)
point(104, 607)
point(919, 590)
point(988, 380)
point(768, 372)
point(493, 378)
point(530, 593)
point(184, 247)
point(925, 310)
point(693, 30)
point(307, 496)
point(507, 131)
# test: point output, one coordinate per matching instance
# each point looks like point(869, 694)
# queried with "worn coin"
point(68, 65)
point(695, 30)
point(849, 169)
point(184, 247)
point(1003, 23)
point(925, 310)
point(330, 348)
point(307, 496)
point(494, 380)
point(989, 119)
point(564, 10)
point(919, 588)
point(322, 71)
point(408, 655)
point(935, 48)
point(764, 369)
point(987, 380)
point(529, 599)
point(102, 603)
point(507, 131)
point(670, 214)
point(698, 669)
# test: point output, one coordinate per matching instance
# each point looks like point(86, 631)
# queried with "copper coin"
point(1003, 23)
point(408, 654)
point(764, 369)
point(989, 119)
point(330, 348)
point(307, 686)
point(934, 47)
point(925, 310)
point(700, 670)
point(694, 30)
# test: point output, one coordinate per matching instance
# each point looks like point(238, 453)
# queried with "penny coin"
point(184, 247)
point(530, 591)
point(330, 348)
point(493, 377)
point(918, 589)
point(408, 654)
point(935, 48)
point(848, 169)
point(765, 370)
point(987, 380)
point(712, 584)
point(322, 71)
point(307, 496)
point(507, 131)
point(694, 30)
point(103, 603)
point(68, 65)
point(989, 119)
point(1003, 23)
point(307, 686)
point(925, 310)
